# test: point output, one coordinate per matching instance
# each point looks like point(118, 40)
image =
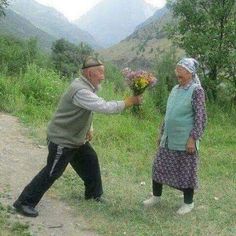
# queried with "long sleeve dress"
point(178, 169)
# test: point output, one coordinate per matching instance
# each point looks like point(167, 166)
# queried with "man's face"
point(96, 75)
point(183, 76)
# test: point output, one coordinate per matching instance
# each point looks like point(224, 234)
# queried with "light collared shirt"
point(90, 101)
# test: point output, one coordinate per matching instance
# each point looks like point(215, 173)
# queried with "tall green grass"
point(32, 96)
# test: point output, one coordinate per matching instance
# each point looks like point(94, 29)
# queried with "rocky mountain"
point(111, 21)
point(51, 21)
point(140, 49)
point(157, 16)
point(17, 26)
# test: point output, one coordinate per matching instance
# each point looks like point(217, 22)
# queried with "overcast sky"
point(73, 9)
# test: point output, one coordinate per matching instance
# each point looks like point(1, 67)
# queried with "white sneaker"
point(185, 208)
point(152, 201)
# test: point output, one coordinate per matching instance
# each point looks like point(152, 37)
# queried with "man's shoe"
point(25, 210)
point(185, 208)
point(97, 199)
point(101, 200)
point(152, 201)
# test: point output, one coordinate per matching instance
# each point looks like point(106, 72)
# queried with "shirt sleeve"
point(90, 101)
point(200, 116)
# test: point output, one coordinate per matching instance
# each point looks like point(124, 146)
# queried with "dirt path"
point(20, 160)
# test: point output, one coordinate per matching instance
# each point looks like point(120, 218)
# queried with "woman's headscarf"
point(191, 65)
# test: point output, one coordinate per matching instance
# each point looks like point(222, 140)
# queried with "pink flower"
point(138, 80)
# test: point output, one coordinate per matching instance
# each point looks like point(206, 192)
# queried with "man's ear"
point(89, 73)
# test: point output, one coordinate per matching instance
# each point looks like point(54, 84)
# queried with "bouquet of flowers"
point(138, 81)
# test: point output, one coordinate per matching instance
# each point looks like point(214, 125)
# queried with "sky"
point(73, 9)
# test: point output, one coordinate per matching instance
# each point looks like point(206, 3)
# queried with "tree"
point(206, 30)
point(68, 58)
point(164, 67)
point(3, 4)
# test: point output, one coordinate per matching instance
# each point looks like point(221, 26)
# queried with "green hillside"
point(51, 21)
point(15, 25)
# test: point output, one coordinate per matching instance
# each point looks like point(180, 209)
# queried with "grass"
point(9, 227)
point(127, 162)
point(126, 147)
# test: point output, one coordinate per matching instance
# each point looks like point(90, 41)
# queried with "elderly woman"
point(177, 159)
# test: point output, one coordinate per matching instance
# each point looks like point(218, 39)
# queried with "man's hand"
point(134, 100)
point(89, 135)
point(191, 145)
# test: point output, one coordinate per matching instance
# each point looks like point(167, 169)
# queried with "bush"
point(12, 99)
point(67, 58)
point(16, 54)
point(113, 75)
point(33, 95)
point(41, 86)
point(165, 70)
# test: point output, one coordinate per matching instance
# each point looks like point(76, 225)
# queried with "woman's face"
point(182, 75)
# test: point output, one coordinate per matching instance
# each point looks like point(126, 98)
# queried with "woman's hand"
point(191, 145)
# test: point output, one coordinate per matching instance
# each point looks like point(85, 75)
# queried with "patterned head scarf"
point(191, 65)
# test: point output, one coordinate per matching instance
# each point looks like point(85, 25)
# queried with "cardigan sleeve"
point(200, 116)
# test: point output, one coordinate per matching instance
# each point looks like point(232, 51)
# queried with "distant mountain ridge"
point(140, 49)
point(17, 26)
point(111, 21)
point(158, 15)
point(51, 21)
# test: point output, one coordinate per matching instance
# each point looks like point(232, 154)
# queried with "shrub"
point(164, 67)
point(41, 86)
point(16, 54)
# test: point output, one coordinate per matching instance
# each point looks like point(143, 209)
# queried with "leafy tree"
point(206, 30)
point(164, 67)
point(3, 4)
point(68, 58)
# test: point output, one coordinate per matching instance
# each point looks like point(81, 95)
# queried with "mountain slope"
point(15, 25)
point(157, 16)
point(111, 21)
point(141, 47)
point(51, 21)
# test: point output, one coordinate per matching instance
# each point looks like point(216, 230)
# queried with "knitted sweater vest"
point(70, 123)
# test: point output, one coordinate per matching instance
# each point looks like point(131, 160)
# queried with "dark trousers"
point(83, 160)
point(188, 192)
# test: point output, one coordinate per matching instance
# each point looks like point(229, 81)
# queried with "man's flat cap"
point(91, 62)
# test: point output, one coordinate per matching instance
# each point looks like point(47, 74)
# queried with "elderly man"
point(69, 133)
